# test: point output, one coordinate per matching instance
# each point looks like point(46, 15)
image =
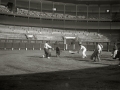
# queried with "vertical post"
point(74, 46)
point(14, 16)
point(5, 45)
point(64, 43)
point(19, 44)
point(28, 15)
point(33, 47)
point(64, 16)
point(94, 45)
point(26, 45)
point(87, 44)
point(33, 44)
point(12, 44)
point(66, 46)
point(40, 16)
point(99, 18)
point(76, 11)
point(53, 46)
point(76, 18)
point(52, 15)
point(108, 43)
point(87, 17)
point(110, 15)
point(40, 46)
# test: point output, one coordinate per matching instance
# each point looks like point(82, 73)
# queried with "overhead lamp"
point(54, 9)
point(107, 10)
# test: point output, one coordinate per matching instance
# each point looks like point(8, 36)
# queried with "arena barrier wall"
point(6, 44)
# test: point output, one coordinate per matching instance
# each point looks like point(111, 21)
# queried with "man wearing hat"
point(96, 53)
point(83, 48)
point(46, 50)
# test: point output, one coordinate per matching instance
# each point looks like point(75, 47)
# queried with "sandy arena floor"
point(27, 70)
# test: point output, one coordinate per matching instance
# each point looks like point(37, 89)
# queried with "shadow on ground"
point(102, 78)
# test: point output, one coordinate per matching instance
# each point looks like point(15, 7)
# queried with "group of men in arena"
point(97, 52)
point(116, 52)
point(47, 50)
point(95, 56)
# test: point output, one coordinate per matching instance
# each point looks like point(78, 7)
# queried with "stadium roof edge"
point(70, 1)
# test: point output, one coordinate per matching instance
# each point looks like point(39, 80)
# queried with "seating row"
point(32, 13)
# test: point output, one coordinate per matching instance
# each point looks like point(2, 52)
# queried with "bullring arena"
point(26, 25)
point(28, 70)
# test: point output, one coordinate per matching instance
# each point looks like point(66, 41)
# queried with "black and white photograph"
point(59, 44)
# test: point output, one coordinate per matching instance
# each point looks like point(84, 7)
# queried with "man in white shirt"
point(46, 49)
point(117, 56)
point(96, 53)
point(115, 49)
point(83, 48)
point(101, 47)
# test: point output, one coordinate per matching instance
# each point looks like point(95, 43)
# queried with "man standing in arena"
point(118, 55)
point(58, 51)
point(101, 48)
point(115, 49)
point(46, 49)
point(83, 48)
point(96, 53)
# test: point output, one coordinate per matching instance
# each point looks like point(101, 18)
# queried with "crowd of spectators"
point(48, 31)
point(55, 15)
point(41, 33)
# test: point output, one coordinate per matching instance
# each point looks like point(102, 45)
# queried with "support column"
point(33, 46)
point(64, 43)
point(73, 46)
point(19, 46)
point(40, 46)
point(5, 45)
point(66, 46)
point(12, 46)
point(108, 43)
point(26, 46)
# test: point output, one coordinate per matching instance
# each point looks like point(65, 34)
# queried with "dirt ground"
point(28, 70)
